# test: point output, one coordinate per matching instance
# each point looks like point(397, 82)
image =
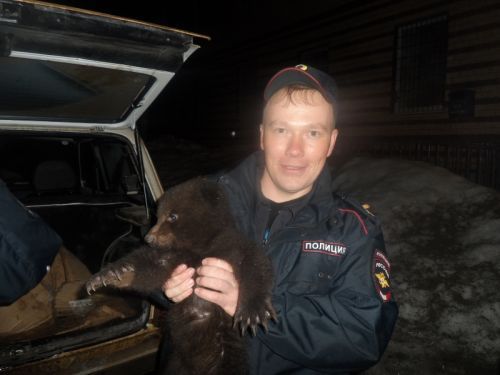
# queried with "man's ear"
point(333, 140)
point(261, 131)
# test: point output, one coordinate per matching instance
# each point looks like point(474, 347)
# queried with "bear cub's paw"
point(252, 313)
point(115, 275)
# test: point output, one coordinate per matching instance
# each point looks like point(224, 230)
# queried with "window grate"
point(420, 66)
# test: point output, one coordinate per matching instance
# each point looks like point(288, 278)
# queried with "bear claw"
point(250, 318)
point(107, 277)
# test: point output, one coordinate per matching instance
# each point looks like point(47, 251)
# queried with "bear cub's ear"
point(210, 192)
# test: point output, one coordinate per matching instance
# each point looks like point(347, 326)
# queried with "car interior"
point(82, 186)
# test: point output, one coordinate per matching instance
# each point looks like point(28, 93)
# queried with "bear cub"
point(194, 222)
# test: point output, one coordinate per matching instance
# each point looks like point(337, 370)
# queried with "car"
point(74, 84)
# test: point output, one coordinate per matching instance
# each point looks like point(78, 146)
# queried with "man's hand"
point(180, 285)
point(223, 289)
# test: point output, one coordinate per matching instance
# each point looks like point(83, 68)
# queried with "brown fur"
point(194, 222)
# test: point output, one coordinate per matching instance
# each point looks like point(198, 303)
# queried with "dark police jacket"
point(332, 293)
point(27, 246)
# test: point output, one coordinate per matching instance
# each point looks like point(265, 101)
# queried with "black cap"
point(302, 75)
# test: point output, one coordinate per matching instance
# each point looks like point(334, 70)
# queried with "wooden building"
point(417, 79)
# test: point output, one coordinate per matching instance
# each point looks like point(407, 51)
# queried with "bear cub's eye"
point(172, 217)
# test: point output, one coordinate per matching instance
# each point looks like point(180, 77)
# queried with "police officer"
point(332, 276)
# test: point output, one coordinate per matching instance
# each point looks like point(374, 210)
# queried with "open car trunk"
point(74, 83)
point(78, 184)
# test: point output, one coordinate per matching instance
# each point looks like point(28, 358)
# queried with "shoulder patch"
point(381, 269)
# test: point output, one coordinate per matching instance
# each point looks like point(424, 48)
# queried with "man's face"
point(297, 136)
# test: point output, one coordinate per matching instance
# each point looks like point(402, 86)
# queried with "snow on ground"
point(443, 238)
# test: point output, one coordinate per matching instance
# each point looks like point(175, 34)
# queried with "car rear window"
point(35, 168)
point(56, 91)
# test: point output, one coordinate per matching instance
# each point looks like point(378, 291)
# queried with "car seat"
point(54, 176)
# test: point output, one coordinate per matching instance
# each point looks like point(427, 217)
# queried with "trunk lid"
point(63, 67)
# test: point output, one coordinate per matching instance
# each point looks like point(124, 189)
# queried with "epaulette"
point(368, 221)
point(363, 208)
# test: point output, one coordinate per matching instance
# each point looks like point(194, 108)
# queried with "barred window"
point(420, 66)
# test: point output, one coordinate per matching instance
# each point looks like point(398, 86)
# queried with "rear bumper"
point(132, 354)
